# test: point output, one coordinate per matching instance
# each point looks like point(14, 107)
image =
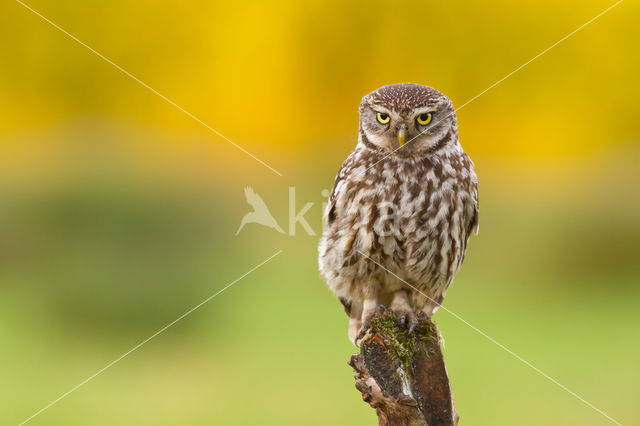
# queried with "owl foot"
point(407, 319)
point(373, 311)
point(369, 309)
point(404, 313)
point(362, 335)
point(384, 309)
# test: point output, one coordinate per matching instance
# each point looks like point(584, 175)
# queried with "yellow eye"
point(424, 119)
point(383, 118)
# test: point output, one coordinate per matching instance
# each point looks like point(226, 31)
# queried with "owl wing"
point(338, 185)
point(472, 210)
point(474, 220)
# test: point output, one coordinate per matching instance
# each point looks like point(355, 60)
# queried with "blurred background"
point(118, 212)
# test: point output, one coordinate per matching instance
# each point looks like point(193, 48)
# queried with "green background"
point(118, 212)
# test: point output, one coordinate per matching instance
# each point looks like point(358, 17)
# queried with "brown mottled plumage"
point(410, 208)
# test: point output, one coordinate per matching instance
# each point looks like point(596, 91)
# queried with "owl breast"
point(411, 215)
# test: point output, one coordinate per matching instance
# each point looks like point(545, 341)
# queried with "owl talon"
point(402, 320)
point(408, 321)
point(362, 335)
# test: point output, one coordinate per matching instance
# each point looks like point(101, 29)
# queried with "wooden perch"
point(403, 376)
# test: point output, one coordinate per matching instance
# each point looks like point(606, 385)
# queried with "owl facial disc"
point(407, 119)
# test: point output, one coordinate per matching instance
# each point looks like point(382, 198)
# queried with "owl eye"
point(424, 119)
point(383, 118)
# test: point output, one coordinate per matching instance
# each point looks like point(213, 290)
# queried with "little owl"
point(402, 208)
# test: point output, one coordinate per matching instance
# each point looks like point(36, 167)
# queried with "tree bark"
point(403, 375)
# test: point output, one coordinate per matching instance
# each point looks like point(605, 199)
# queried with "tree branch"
point(402, 375)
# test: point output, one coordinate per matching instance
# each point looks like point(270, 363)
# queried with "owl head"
point(410, 116)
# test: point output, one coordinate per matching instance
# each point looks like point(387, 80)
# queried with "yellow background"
point(118, 212)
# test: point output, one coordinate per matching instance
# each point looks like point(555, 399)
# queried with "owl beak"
point(402, 134)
